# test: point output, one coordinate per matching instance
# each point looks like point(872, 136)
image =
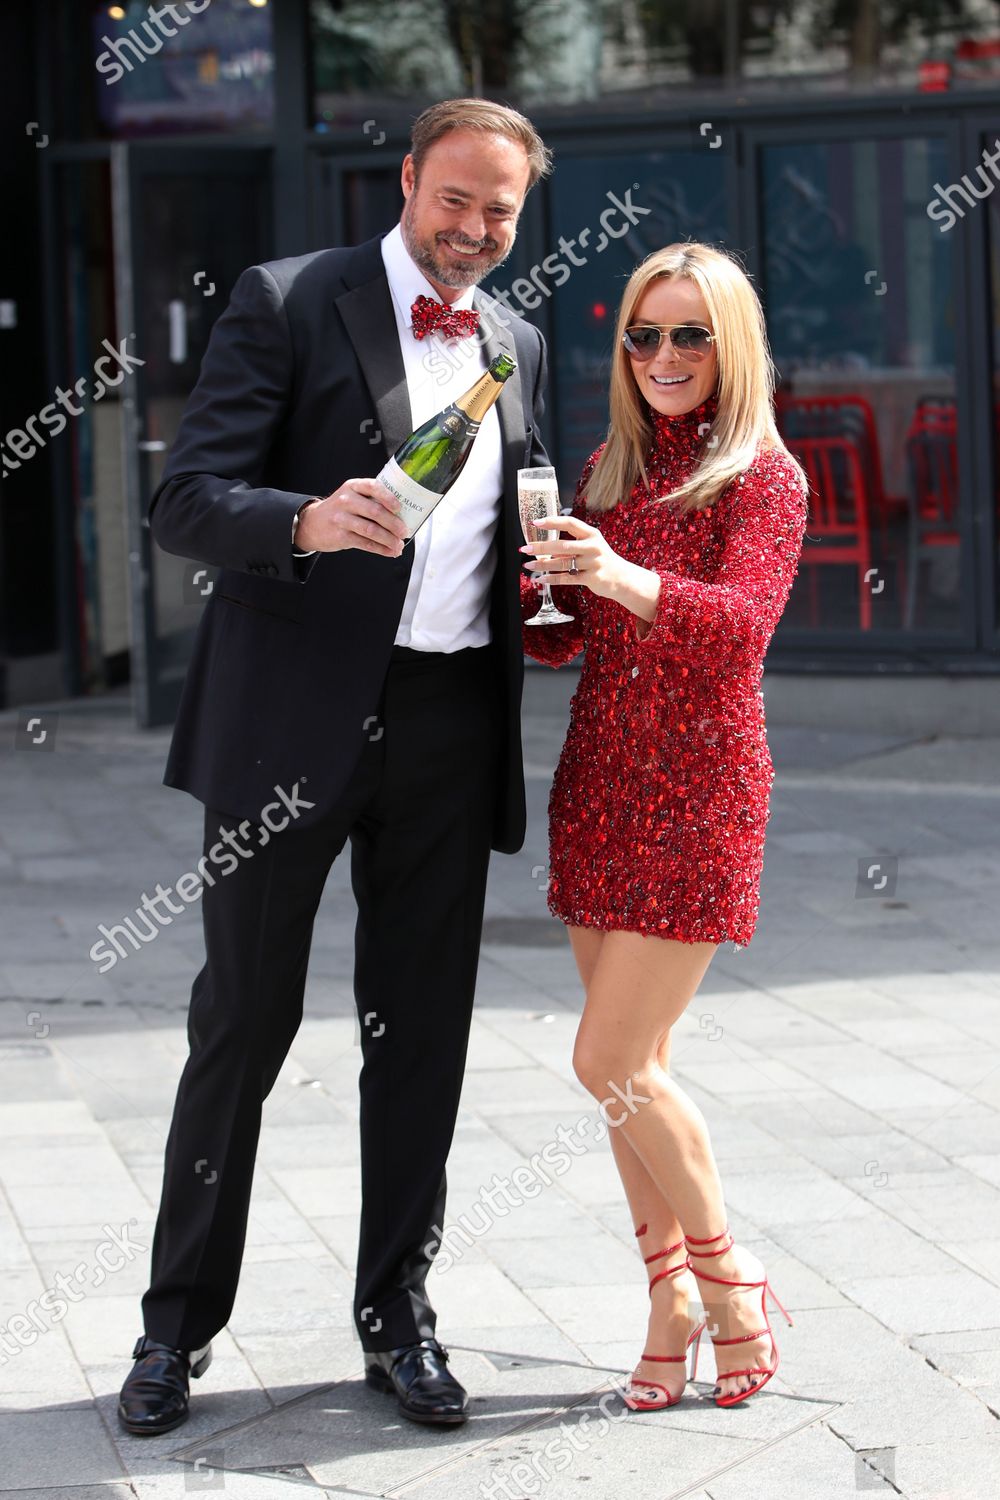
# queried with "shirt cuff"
point(295, 522)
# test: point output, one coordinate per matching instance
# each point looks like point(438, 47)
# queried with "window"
point(861, 317)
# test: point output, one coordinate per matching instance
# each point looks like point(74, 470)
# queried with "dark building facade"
point(847, 150)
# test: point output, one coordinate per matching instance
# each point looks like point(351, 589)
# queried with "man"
point(363, 691)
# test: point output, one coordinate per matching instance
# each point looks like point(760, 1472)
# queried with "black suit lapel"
point(366, 308)
point(510, 408)
point(367, 311)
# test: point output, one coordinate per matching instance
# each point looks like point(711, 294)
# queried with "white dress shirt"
point(448, 598)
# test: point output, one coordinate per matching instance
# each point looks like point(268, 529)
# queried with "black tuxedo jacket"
point(302, 386)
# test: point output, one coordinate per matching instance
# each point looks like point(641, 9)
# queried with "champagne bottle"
point(424, 467)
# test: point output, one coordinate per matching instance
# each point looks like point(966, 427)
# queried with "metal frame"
point(889, 643)
point(141, 614)
point(59, 455)
point(983, 317)
point(155, 702)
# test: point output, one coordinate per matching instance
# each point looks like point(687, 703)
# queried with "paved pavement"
point(848, 1063)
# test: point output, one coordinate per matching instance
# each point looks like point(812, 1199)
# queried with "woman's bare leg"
point(669, 1311)
point(638, 988)
point(648, 1204)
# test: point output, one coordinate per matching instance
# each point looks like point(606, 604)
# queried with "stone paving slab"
point(330, 1428)
point(46, 1373)
point(811, 1462)
point(532, 1422)
point(956, 1470)
point(56, 1446)
point(74, 1492)
point(848, 1064)
point(940, 1303)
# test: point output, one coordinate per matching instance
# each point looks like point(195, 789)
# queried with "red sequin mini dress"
point(658, 808)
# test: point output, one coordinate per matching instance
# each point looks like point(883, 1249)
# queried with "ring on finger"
point(573, 566)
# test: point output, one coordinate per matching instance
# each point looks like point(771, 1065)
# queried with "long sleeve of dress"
point(733, 618)
point(558, 645)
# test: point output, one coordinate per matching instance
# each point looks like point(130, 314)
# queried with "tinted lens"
point(642, 343)
point(691, 341)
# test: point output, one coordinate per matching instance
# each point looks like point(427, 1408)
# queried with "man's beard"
point(422, 254)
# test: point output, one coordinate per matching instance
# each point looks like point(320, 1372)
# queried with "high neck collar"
point(667, 430)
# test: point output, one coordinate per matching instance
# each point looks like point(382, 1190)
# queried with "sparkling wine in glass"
point(538, 496)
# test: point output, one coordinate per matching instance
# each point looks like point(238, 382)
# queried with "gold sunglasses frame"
point(669, 329)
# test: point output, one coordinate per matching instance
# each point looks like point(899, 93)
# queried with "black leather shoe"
point(425, 1388)
point(154, 1397)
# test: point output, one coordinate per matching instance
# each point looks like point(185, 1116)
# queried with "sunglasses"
point(688, 340)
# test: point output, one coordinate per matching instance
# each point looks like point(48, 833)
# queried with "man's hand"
point(359, 513)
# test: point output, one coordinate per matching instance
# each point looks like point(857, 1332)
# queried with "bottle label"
point(416, 501)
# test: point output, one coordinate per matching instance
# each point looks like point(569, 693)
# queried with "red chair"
point(934, 413)
point(838, 531)
point(851, 417)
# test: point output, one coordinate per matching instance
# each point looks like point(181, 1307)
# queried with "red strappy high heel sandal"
point(765, 1372)
point(650, 1403)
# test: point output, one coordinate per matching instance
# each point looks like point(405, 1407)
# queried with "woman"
point(676, 562)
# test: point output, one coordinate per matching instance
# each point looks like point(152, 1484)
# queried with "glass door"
point(869, 321)
point(185, 223)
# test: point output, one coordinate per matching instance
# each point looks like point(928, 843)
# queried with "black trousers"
point(418, 813)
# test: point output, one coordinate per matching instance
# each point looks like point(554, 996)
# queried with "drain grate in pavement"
point(524, 932)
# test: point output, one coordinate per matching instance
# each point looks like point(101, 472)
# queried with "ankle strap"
point(658, 1255)
point(648, 1259)
point(707, 1254)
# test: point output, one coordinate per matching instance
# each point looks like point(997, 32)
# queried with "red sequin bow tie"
point(434, 317)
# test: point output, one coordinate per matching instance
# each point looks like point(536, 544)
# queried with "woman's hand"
point(597, 566)
point(601, 569)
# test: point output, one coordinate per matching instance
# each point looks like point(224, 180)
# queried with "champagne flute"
point(537, 497)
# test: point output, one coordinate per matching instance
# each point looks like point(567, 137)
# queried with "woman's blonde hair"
point(744, 419)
